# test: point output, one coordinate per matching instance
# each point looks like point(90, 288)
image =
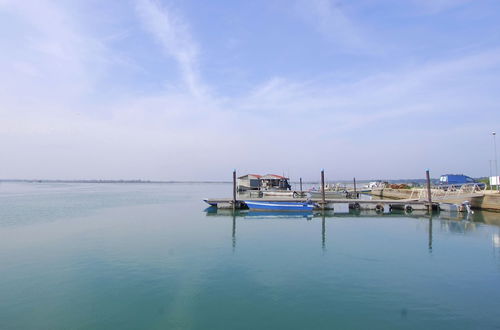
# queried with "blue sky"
point(189, 90)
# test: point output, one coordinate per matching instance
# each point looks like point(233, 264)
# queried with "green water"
point(147, 256)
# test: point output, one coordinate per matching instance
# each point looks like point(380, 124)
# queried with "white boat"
point(328, 194)
point(331, 191)
point(280, 193)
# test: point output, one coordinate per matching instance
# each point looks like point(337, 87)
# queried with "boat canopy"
point(273, 177)
point(250, 177)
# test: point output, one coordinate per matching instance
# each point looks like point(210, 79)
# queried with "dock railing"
point(449, 191)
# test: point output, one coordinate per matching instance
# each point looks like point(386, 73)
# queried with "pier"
point(323, 203)
point(460, 198)
point(381, 205)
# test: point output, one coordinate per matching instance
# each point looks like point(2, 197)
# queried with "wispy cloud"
point(173, 33)
point(330, 19)
point(50, 58)
point(437, 87)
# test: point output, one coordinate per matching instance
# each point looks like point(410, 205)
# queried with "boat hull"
point(278, 193)
point(210, 203)
point(328, 194)
point(280, 206)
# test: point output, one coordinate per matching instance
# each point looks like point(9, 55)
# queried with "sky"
point(190, 90)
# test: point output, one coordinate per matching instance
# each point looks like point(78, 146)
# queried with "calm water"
point(147, 256)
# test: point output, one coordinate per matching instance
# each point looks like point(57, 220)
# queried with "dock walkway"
point(384, 205)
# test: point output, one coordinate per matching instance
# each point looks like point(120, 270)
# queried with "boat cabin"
point(455, 179)
point(274, 182)
point(262, 182)
point(248, 182)
point(458, 180)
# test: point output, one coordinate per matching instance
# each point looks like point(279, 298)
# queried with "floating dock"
point(382, 205)
point(452, 199)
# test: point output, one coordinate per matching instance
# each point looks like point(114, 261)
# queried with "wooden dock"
point(383, 205)
point(324, 203)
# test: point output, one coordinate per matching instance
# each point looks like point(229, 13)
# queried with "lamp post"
point(496, 161)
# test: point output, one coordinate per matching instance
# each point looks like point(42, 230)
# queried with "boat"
point(331, 191)
point(456, 181)
point(249, 182)
point(280, 193)
point(209, 202)
point(375, 185)
point(280, 206)
point(263, 182)
point(328, 194)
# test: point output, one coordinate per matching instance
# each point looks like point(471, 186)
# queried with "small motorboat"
point(328, 194)
point(211, 203)
point(331, 191)
point(280, 206)
point(280, 193)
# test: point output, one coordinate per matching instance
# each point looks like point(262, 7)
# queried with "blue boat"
point(458, 180)
point(280, 206)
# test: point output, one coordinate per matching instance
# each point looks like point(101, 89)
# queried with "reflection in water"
point(323, 232)
point(456, 216)
point(254, 215)
point(458, 227)
point(461, 219)
point(450, 222)
point(496, 240)
point(234, 230)
point(488, 217)
point(430, 234)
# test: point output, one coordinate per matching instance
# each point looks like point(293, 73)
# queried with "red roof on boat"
point(273, 176)
point(255, 175)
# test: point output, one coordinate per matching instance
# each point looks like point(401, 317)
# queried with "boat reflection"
point(255, 215)
point(459, 222)
point(248, 214)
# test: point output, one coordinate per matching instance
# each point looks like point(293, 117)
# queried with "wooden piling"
point(323, 189)
point(429, 195)
point(234, 190)
point(300, 184)
point(354, 179)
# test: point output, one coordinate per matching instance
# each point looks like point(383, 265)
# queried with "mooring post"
point(234, 190)
point(429, 196)
point(301, 185)
point(354, 179)
point(323, 188)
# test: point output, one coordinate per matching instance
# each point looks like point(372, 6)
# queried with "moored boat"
point(328, 194)
point(209, 202)
point(331, 191)
point(280, 206)
point(280, 193)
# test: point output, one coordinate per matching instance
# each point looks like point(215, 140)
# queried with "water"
point(147, 256)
